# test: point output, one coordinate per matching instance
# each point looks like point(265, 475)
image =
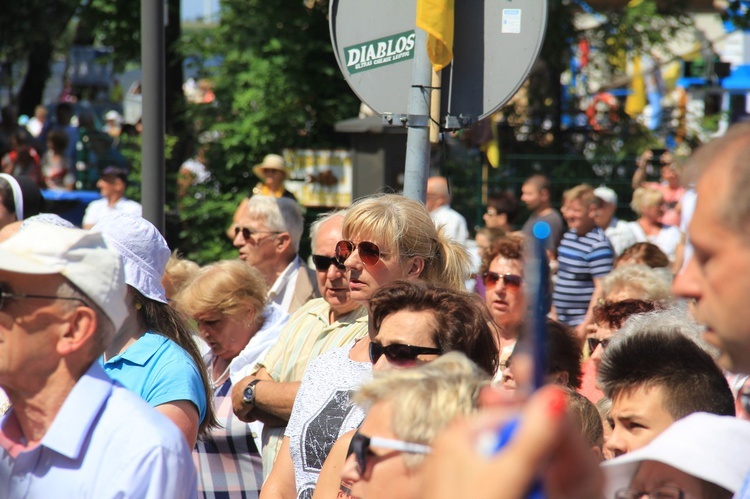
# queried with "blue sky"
point(192, 9)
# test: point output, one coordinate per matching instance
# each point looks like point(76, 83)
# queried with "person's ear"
point(79, 330)
point(283, 241)
point(416, 266)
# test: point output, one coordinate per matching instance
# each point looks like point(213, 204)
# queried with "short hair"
point(563, 351)
point(583, 193)
point(655, 351)
point(179, 270)
point(646, 253)
point(586, 417)
point(645, 196)
point(228, 287)
point(59, 140)
point(278, 214)
point(492, 233)
point(504, 202)
point(406, 223)
point(640, 279)
point(426, 398)
point(462, 320)
point(541, 182)
point(617, 312)
point(322, 219)
point(508, 246)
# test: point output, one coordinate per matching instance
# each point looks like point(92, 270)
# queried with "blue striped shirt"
point(580, 259)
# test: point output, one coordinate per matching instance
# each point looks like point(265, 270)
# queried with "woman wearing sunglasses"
point(405, 410)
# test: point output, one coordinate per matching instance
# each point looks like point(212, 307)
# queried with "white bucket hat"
point(707, 446)
point(81, 257)
point(143, 249)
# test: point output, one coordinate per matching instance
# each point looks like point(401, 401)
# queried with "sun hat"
point(606, 194)
point(143, 250)
point(80, 256)
point(707, 446)
point(270, 162)
point(47, 218)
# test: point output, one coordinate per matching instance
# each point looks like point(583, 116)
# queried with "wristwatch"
point(248, 394)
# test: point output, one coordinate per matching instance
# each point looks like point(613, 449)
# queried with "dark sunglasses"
point(594, 342)
point(369, 252)
point(492, 278)
point(398, 353)
point(248, 233)
point(322, 263)
point(5, 294)
point(360, 447)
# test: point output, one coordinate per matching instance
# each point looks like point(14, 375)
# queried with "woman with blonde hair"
point(227, 300)
point(648, 204)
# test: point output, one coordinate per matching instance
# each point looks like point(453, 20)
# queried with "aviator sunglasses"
point(399, 353)
point(322, 263)
point(360, 447)
point(492, 278)
point(369, 252)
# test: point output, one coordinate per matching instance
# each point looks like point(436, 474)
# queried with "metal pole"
point(418, 135)
point(152, 88)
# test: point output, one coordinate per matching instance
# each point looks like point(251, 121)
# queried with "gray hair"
point(279, 214)
point(105, 330)
point(322, 219)
point(650, 285)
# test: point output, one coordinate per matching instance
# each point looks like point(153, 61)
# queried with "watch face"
point(248, 396)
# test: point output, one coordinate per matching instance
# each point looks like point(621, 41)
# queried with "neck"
point(126, 336)
point(543, 210)
point(335, 313)
point(114, 198)
point(272, 272)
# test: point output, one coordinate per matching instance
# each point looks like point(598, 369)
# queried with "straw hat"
point(270, 162)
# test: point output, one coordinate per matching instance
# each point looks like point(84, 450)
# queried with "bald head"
point(437, 193)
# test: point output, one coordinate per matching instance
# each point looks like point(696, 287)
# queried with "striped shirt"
point(581, 259)
point(307, 334)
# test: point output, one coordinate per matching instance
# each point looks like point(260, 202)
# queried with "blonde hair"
point(426, 398)
point(645, 282)
point(230, 287)
point(178, 271)
point(645, 196)
point(392, 217)
point(583, 192)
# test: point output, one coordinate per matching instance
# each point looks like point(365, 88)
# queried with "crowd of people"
point(394, 363)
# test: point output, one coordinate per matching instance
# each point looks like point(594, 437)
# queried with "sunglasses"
point(369, 252)
point(360, 447)
point(492, 278)
point(248, 233)
point(666, 492)
point(5, 294)
point(323, 263)
point(594, 342)
point(398, 353)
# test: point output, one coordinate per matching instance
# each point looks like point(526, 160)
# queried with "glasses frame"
point(319, 260)
point(252, 232)
point(492, 278)
point(631, 493)
point(360, 447)
point(369, 252)
point(595, 342)
point(377, 350)
point(15, 296)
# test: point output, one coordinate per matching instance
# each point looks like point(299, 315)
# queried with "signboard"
point(320, 178)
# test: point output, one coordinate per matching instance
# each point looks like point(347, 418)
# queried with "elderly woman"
point(386, 238)
point(154, 354)
point(648, 204)
point(227, 300)
point(405, 411)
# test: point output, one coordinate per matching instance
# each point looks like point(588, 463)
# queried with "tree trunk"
point(37, 72)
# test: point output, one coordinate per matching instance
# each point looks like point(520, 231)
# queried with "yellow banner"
point(436, 18)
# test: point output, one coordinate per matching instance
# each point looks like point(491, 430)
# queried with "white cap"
point(113, 116)
point(82, 257)
point(707, 446)
point(143, 249)
point(606, 194)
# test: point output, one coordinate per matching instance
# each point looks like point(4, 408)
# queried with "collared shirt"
point(283, 287)
point(159, 371)
point(98, 208)
point(452, 222)
point(307, 334)
point(104, 442)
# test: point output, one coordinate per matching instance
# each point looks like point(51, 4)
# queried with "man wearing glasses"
point(71, 431)
point(267, 237)
point(321, 324)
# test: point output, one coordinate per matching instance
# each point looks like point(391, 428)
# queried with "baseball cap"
point(143, 250)
point(80, 256)
point(113, 116)
point(606, 194)
point(116, 171)
point(707, 446)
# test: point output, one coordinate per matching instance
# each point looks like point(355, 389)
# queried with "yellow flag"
point(636, 101)
point(436, 18)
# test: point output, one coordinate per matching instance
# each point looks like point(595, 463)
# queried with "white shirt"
point(620, 235)
point(96, 210)
point(452, 222)
point(283, 287)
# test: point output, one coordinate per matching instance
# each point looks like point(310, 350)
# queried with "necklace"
point(216, 382)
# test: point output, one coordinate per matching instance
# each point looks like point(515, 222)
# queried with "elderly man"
point(324, 323)
point(267, 237)
point(112, 188)
point(71, 431)
point(438, 204)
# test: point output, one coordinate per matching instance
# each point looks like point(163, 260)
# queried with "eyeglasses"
point(360, 447)
point(6, 295)
point(369, 252)
point(398, 353)
point(594, 342)
point(323, 263)
point(248, 233)
point(657, 493)
point(491, 212)
point(492, 278)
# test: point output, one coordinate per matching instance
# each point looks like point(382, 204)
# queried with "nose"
point(351, 472)
point(238, 240)
point(334, 272)
point(382, 364)
point(596, 355)
point(686, 284)
point(352, 261)
point(615, 443)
